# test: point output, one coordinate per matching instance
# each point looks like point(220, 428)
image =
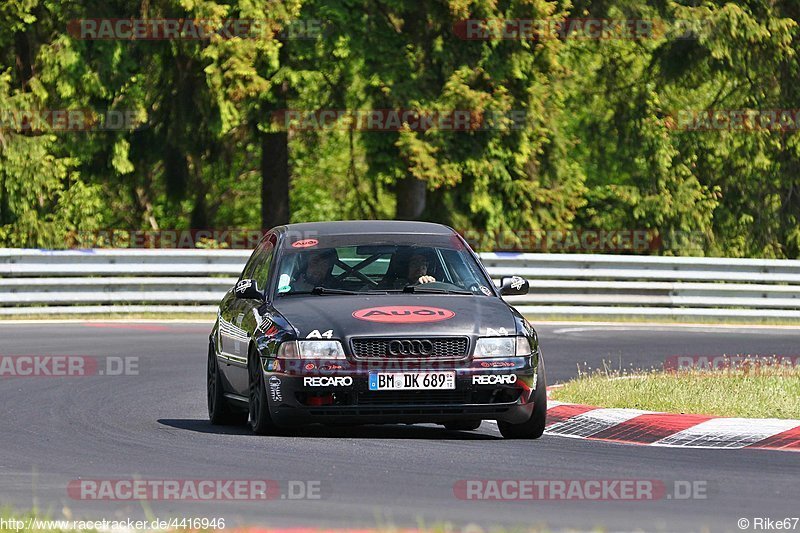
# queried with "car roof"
point(377, 227)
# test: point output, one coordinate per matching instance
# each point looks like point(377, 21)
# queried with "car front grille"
point(441, 348)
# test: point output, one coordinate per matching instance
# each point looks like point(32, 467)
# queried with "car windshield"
point(354, 265)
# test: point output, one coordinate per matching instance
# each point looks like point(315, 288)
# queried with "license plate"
point(412, 380)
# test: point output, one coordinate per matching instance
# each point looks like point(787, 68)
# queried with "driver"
point(319, 265)
point(415, 271)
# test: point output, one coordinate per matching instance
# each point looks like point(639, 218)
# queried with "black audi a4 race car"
point(369, 322)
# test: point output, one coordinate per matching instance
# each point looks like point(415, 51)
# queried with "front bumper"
point(302, 392)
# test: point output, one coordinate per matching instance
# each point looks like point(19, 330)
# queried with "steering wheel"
point(439, 285)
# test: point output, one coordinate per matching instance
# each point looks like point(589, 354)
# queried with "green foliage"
point(42, 194)
point(732, 188)
point(595, 144)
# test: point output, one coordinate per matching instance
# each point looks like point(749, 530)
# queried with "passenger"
point(317, 272)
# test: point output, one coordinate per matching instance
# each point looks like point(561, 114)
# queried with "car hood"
point(404, 315)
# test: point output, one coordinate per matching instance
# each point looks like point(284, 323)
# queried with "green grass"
point(383, 526)
point(755, 391)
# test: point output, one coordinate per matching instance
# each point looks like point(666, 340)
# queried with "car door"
point(230, 335)
point(244, 314)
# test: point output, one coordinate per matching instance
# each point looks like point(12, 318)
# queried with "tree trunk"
point(274, 179)
point(411, 194)
point(5, 214)
point(24, 59)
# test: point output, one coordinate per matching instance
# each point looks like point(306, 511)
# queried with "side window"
point(256, 261)
point(247, 273)
point(462, 271)
point(263, 263)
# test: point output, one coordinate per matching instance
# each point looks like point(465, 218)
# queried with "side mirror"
point(247, 289)
point(514, 286)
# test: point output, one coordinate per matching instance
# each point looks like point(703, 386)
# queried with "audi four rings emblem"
point(410, 347)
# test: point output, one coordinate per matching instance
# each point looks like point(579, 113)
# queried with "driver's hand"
point(426, 279)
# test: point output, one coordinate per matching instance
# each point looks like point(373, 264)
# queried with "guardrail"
point(176, 281)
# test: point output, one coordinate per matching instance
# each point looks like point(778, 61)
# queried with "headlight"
point(502, 347)
point(311, 350)
point(523, 347)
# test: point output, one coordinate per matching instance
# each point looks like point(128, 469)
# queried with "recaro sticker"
point(403, 314)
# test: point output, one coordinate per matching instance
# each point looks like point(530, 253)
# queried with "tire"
point(463, 425)
point(260, 420)
point(534, 426)
point(220, 412)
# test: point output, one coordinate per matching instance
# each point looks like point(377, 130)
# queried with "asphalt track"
point(153, 426)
